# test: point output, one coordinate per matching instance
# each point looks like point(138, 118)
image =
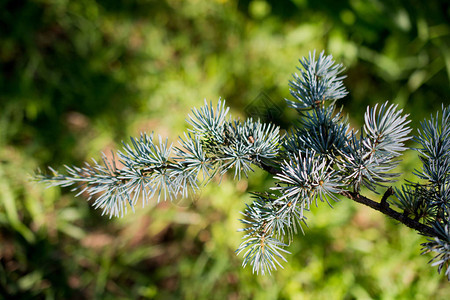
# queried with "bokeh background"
point(78, 77)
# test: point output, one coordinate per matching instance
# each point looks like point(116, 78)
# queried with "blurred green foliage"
point(77, 77)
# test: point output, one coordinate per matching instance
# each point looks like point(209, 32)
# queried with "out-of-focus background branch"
point(77, 77)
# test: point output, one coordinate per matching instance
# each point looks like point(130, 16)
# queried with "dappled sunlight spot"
point(365, 218)
point(74, 281)
point(97, 240)
point(77, 121)
point(242, 185)
point(204, 236)
point(140, 233)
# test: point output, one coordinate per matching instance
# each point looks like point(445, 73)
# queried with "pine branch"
point(320, 158)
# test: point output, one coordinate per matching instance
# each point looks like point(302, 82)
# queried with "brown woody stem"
point(382, 206)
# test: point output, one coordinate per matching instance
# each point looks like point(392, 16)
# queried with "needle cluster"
point(319, 160)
